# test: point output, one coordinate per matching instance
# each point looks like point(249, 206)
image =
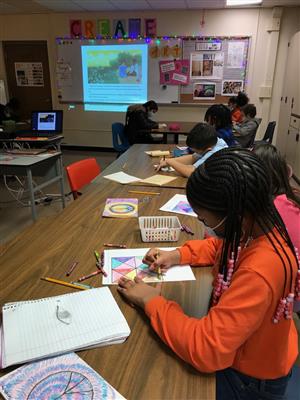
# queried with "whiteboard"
point(69, 72)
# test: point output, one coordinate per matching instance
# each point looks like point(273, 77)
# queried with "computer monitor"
point(47, 122)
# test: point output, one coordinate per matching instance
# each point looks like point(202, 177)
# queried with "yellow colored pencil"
point(140, 192)
point(63, 283)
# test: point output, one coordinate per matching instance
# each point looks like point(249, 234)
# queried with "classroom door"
point(28, 77)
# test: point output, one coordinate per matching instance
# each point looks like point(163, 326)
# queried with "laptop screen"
point(47, 121)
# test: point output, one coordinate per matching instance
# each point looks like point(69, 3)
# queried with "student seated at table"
point(10, 111)
point(286, 198)
point(248, 336)
point(235, 103)
point(219, 116)
point(203, 141)
point(245, 130)
point(138, 123)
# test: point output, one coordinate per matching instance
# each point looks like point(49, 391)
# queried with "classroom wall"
point(94, 128)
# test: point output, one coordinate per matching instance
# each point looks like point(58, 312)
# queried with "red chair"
point(80, 173)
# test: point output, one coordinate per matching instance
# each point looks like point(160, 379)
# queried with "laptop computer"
point(46, 123)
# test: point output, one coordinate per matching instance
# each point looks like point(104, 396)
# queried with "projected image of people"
point(114, 67)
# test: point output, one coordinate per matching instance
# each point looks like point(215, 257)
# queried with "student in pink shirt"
point(286, 198)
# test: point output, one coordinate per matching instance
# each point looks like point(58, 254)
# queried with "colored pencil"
point(119, 246)
point(72, 267)
point(83, 278)
point(63, 283)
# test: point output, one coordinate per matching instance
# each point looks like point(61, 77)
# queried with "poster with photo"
point(232, 87)
point(207, 65)
point(204, 91)
point(29, 74)
point(175, 72)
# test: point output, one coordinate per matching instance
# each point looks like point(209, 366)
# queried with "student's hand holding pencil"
point(162, 163)
point(160, 259)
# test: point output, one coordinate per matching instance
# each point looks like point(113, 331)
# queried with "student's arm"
point(211, 343)
point(244, 129)
point(184, 167)
point(144, 123)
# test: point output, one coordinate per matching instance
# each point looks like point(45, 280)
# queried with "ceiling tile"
point(95, 5)
point(131, 4)
point(198, 4)
point(170, 5)
point(60, 5)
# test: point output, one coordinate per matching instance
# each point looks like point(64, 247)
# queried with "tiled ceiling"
point(57, 6)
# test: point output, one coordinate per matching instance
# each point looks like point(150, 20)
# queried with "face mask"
point(211, 231)
point(150, 114)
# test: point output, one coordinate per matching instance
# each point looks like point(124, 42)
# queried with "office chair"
point(120, 141)
point(268, 136)
point(80, 173)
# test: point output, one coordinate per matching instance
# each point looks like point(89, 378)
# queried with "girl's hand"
point(157, 258)
point(137, 292)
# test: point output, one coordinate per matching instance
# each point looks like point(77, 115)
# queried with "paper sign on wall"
point(207, 65)
point(174, 72)
point(29, 74)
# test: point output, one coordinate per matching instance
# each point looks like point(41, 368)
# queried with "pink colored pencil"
point(83, 278)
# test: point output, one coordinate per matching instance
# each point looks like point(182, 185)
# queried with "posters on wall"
point(211, 46)
point(235, 56)
point(29, 74)
point(207, 65)
point(175, 72)
point(63, 74)
point(231, 87)
point(204, 91)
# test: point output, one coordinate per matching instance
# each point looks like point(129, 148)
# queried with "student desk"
point(142, 367)
point(35, 142)
point(184, 129)
point(137, 163)
point(47, 165)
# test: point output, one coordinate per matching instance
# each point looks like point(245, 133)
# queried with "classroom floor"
point(15, 217)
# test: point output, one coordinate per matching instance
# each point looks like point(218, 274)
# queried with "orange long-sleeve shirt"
point(238, 332)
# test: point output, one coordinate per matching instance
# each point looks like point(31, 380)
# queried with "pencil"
point(140, 192)
point(63, 283)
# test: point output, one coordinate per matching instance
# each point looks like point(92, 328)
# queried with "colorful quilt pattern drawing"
point(121, 208)
point(66, 377)
point(130, 267)
point(183, 207)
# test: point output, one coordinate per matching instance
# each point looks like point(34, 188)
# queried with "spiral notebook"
point(37, 329)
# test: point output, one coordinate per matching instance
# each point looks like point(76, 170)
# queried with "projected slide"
point(46, 121)
point(114, 76)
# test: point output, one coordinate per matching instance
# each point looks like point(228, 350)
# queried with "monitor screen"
point(47, 121)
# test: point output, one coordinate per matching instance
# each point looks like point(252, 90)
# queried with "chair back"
point(120, 141)
point(80, 173)
point(268, 136)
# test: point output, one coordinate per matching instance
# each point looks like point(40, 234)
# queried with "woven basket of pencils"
point(159, 229)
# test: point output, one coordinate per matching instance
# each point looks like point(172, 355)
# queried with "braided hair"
point(233, 182)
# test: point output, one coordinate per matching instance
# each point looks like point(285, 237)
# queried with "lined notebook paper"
point(54, 325)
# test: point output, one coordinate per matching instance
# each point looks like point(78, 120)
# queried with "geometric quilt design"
point(130, 267)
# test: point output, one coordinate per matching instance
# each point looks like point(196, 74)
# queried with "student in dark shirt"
point(139, 124)
point(10, 111)
point(219, 116)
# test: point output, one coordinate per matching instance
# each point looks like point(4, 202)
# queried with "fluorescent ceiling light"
point(242, 2)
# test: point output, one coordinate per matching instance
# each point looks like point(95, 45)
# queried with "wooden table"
point(135, 162)
point(184, 129)
point(143, 367)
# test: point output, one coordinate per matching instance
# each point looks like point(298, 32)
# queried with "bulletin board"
point(69, 68)
point(218, 68)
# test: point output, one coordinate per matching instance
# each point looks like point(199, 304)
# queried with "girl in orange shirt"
point(248, 336)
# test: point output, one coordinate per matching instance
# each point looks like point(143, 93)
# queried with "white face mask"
point(150, 114)
point(211, 231)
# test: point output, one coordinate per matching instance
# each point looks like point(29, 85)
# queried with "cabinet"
point(289, 120)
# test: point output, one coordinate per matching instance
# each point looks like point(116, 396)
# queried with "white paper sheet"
point(122, 177)
point(178, 204)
